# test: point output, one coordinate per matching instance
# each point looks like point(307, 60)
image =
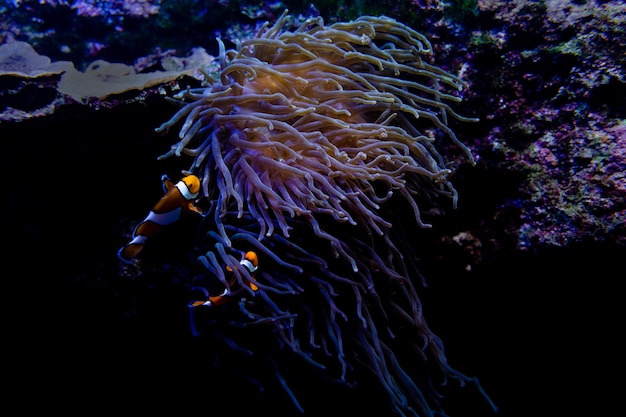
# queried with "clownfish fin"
point(168, 184)
point(132, 248)
point(129, 252)
point(199, 303)
point(212, 300)
point(192, 207)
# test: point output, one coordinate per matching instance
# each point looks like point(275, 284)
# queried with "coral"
point(102, 79)
point(20, 59)
point(35, 86)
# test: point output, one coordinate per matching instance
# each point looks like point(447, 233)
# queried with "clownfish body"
point(178, 197)
point(250, 261)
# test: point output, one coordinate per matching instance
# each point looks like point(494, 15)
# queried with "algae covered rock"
point(21, 60)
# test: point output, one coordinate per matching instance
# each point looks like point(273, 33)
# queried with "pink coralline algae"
point(554, 115)
point(93, 8)
point(576, 186)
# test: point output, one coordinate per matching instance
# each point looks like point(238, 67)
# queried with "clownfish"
point(178, 197)
point(250, 261)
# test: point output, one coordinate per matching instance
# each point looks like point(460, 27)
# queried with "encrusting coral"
point(20, 59)
point(40, 86)
point(308, 143)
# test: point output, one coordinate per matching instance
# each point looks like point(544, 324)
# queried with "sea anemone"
point(312, 145)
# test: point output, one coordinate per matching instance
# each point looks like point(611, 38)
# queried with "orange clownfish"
point(250, 261)
point(178, 197)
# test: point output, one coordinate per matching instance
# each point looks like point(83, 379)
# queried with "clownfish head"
point(189, 187)
point(250, 260)
point(193, 183)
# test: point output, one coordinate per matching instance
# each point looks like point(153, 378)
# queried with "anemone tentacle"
point(306, 144)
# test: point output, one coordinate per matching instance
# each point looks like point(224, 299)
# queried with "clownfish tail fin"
point(132, 249)
point(128, 253)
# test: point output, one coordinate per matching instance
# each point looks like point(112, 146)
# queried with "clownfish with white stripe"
point(250, 261)
point(179, 197)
